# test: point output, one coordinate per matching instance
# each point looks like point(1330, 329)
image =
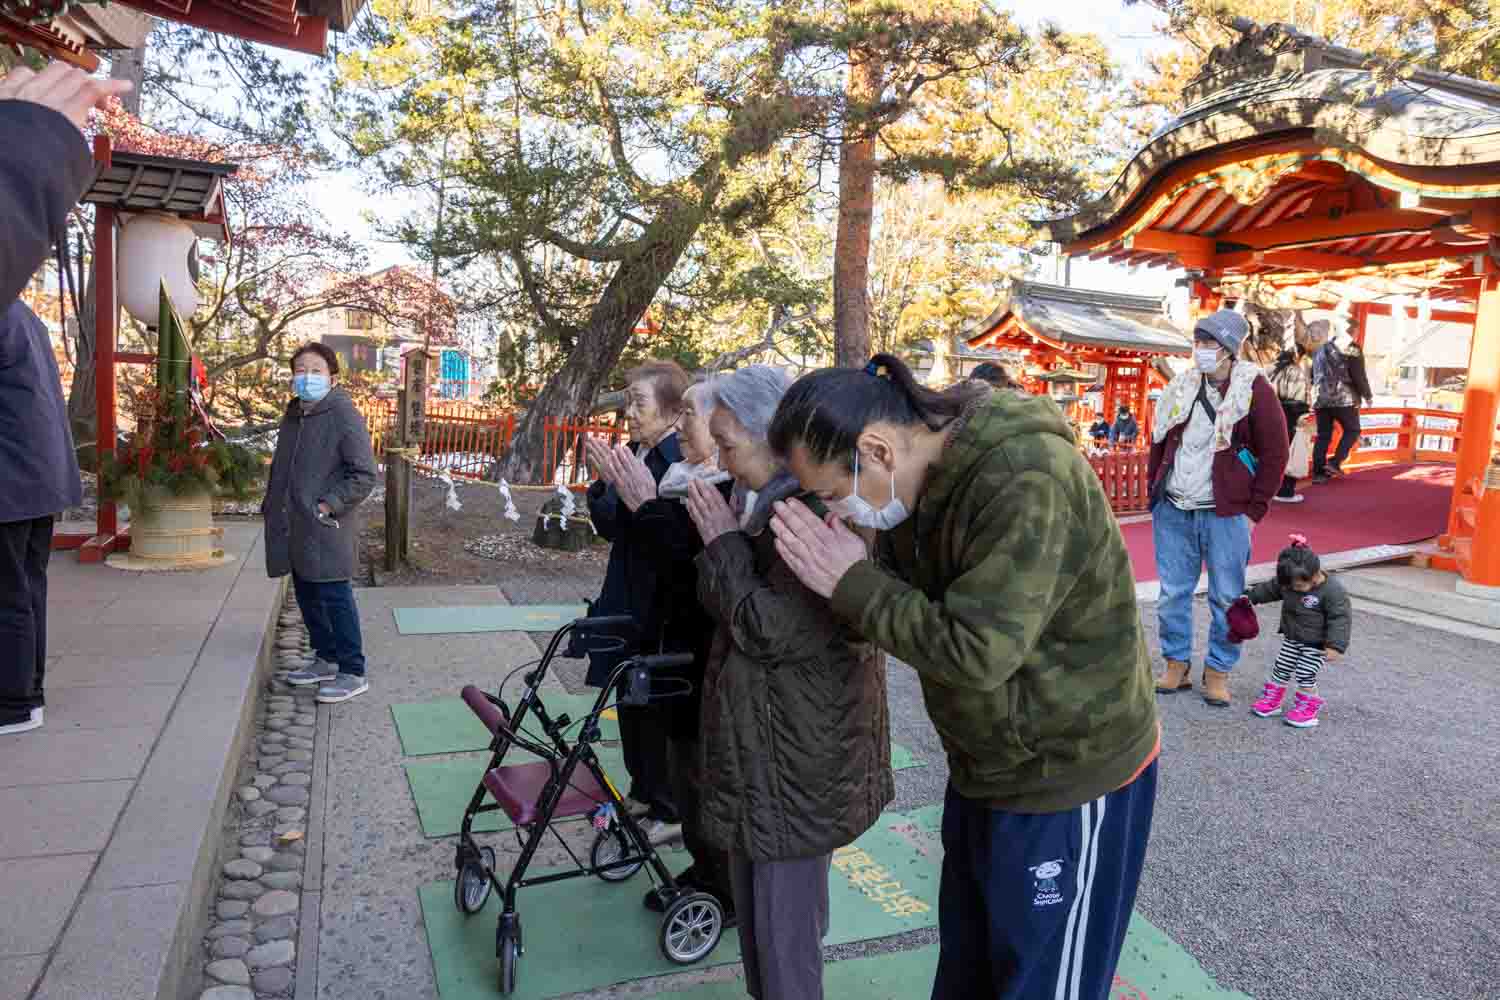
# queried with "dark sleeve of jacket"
point(45, 167)
point(1270, 444)
point(1359, 378)
point(1338, 610)
point(604, 509)
point(357, 459)
point(772, 619)
point(665, 532)
point(1156, 457)
point(1264, 593)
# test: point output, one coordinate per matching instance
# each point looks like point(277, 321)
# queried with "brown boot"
point(1175, 678)
point(1216, 687)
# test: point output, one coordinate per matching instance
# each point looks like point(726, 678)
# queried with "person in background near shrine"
point(1219, 449)
point(1125, 429)
point(665, 541)
point(1291, 377)
point(322, 471)
point(1339, 384)
point(631, 587)
point(1002, 579)
point(995, 375)
point(796, 729)
point(45, 167)
point(1099, 431)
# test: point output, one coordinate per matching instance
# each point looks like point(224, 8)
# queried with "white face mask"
point(863, 513)
point(1207, 359)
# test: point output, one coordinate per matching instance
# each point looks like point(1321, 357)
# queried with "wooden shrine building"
point(1295, 177)
point(1059, 330)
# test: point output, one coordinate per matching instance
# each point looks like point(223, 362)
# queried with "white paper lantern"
point(152, 249)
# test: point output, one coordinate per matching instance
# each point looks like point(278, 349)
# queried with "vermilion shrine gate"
point(1295, 178)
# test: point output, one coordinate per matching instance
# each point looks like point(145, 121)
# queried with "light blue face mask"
point(311, 387)
point(863, 513)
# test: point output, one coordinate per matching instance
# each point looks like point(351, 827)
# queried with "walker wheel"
point(471, 890)
point(510, 957)
point(691, 927)
point(610, 846)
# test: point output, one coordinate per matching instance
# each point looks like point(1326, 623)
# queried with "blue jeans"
point(1034, 906)
point(1186, 541)
point(332, 622)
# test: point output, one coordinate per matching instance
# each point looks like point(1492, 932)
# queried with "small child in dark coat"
point(1315, 621)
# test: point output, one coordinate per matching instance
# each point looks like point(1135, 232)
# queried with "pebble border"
point(250, 950)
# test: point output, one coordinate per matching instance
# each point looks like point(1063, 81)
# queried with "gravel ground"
point(1360, 859)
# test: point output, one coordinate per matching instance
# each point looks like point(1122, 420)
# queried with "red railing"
point(1123, 475)
point(467, 439)
point(563, 449)
point(1388, 436)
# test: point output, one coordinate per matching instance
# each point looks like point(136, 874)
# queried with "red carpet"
point(1390, 505)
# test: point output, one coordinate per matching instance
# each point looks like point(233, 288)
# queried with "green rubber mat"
point(584, 933)
point(442, 789)
point(456, 618)
point(446, 725)
point(587, 934)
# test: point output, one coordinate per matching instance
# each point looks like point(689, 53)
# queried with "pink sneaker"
point(1304, 714)
point(1271, 697)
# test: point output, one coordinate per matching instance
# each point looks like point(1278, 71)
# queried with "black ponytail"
point(826, 411)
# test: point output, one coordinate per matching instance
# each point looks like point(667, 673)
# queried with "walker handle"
point(661, 660)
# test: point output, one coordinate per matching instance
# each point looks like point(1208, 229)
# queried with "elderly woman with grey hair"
point(795, 730)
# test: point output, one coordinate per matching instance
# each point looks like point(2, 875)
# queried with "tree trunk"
point(83, 407)
point(851, 252)
point(569, 394)
point(131, 65)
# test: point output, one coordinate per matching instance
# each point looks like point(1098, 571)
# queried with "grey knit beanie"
point(1226, 326)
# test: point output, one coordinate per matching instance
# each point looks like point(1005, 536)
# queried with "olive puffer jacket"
point(795, 728)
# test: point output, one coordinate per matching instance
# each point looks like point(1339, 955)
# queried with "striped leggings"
point(1297, 658)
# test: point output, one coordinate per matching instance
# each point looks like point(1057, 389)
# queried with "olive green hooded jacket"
point(1010, 592)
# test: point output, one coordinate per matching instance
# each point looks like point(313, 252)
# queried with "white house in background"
point(1415, 362)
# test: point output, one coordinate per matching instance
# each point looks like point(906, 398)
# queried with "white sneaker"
point(1294, 498)
point(660, 832)
point(31, 722)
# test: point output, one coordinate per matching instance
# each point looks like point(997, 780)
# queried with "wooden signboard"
point(413, 418)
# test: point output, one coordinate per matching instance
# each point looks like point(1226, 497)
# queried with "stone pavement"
point(109, 814)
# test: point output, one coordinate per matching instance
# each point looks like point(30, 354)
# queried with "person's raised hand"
point(819, 552)
point(710, 511)
point(597, 454)
point(63, 88)
point(633, 481)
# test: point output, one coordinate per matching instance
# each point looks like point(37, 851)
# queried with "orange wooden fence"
point(467, 439)
point(1388, 436)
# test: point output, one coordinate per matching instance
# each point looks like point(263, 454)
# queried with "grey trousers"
point(783, 917)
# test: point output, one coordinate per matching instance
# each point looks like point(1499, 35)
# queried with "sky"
point(1129, 31)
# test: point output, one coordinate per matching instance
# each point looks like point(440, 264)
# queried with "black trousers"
point(643, 741)
point(25, 547)
point(1347, 417)
point(1293, 413)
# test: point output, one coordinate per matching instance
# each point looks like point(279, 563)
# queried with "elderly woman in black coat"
point(322, 471)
